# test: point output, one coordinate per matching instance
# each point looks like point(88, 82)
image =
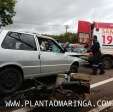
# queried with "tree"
point(7, 11)
point(66, 37)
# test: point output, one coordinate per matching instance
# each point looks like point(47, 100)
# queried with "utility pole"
point(66, 28)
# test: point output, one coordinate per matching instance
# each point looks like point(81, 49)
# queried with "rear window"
point(19, 41)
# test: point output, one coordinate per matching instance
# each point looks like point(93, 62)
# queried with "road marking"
point(101, 83)
point(22, 110)
point(100, 108)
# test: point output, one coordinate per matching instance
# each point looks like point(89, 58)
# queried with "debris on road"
point(61, 89)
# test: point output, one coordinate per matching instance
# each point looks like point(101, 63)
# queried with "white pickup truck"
point(28, 55)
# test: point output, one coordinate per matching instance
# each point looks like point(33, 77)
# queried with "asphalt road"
point(101, 91)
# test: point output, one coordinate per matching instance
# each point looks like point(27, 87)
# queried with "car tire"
point(108, 62)
point(10, 80)
point(74, 68)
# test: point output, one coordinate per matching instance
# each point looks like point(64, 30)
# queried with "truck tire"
point(108, 62)
point(10, 80)
point(74, 68)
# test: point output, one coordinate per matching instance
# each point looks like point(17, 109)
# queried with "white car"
point(28, 55)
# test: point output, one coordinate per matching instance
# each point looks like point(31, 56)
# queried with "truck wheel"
point(74, 68)
point(108, 62)
point(10, 80)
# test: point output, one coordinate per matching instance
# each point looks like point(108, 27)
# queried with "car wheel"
point(74, 68)
point(10, 80)
point(108, 62)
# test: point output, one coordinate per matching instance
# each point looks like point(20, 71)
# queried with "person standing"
point(97, 57)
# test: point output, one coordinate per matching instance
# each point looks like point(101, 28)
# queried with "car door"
point(31, 61)
point(53, 59)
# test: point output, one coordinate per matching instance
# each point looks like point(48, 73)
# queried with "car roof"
point(27, 32)
point(47, 37)
point(19, 31)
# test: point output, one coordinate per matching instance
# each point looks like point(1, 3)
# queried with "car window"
point(48, 45)
point(19, 41)
point(28, 39)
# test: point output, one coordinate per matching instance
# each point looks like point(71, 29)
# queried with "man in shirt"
point(97, 57)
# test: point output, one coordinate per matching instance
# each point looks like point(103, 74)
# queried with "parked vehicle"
point(104, 33)
point(77, 50)
point(28, 55)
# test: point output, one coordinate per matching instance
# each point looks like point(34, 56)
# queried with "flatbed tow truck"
point(60, 87)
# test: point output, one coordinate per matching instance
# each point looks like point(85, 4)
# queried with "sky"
point(51, 16)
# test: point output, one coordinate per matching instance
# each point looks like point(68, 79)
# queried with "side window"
point(27, 42)
point(49, 45)
point(19, 41)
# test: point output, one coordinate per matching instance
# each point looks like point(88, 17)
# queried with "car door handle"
point(39, 56)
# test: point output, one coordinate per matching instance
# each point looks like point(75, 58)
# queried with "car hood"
point(76, 56)
point(73, 53)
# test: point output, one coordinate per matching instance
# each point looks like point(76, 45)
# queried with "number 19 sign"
point(107, 40)
point(107, 37)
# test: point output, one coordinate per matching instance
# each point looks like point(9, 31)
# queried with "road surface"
point(101, 92)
